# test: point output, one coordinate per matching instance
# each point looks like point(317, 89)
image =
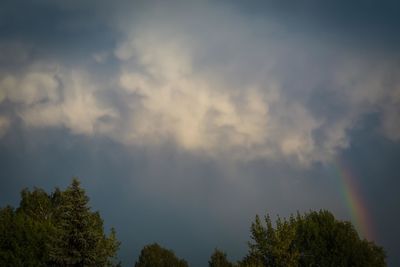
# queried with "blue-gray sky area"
point(184, 119)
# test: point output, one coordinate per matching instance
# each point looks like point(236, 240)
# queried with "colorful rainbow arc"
point(355, 202)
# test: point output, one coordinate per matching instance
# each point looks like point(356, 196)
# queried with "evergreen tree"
point(81, 240)
point(54, 230)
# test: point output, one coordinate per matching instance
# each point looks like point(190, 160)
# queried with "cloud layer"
point(236, 87)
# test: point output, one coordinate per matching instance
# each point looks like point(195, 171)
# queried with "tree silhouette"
point(156, 256)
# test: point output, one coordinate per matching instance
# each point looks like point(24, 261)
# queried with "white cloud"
point(235, 87)
point(32, 88)
point(206, 114)
point(55, 97)
point(268, 111)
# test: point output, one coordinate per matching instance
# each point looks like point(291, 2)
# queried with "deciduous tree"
point(156, 256)
point(219, 259)
point(312, 239)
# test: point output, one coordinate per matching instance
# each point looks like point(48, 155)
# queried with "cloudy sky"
point(184, 119)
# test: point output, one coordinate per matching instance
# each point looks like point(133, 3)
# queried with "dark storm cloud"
point(184, 120)
point(371, 24)
point(367, 23)
point(56, 28)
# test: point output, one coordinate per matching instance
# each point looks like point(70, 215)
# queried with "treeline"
point(56, 229)
point(60, 229)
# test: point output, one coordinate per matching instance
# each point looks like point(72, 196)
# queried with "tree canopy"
point(312, 239)
point(219, 259)
point(57, 229)
point(60, 229)
point(156, 256)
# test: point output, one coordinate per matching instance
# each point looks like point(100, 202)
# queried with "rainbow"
point(354, 200)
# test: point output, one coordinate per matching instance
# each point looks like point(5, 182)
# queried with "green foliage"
point(156, 256)
point(54, 230)
point(315, 239)
point(81, 240)
point(325, 241)
point(219, 259)
point(251, 261)
point(24, 241)
point(17, 240)
point(59, 229)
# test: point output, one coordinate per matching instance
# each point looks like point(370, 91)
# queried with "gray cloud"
point(201, 114)
point(255, 100)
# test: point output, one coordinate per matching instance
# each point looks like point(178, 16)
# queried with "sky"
point(185, 119)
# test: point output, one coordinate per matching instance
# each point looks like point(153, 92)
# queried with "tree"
point(54, 230)
point(219, 259)
point(273, 247)
point(314, 239)
point(24, 241)
point(81, 240)
point(11, 251)
point(156, 256)
point(323, 240)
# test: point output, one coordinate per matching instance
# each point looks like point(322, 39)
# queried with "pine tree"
point(54, 230)
point(80, 240)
